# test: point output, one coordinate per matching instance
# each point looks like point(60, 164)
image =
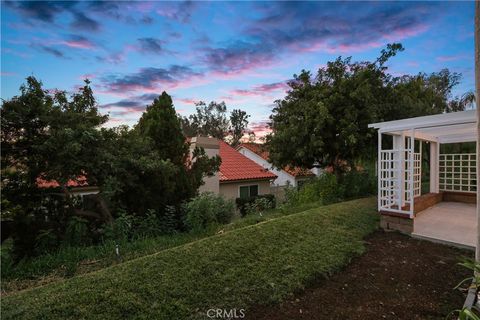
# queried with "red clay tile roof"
point(81, 181)
point(260, 150)
point(235, 166)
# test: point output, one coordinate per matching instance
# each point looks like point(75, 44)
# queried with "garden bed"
point(397, 278)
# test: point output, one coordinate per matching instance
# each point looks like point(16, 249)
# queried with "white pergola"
point(399, 168)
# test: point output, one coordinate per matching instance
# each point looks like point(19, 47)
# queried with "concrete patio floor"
point(448, 222)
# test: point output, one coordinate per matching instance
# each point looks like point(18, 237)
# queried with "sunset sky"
point(238, 52)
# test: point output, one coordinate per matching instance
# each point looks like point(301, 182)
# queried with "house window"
point(248, 191)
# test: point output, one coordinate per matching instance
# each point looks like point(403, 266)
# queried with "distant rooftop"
point(235, 166)
point(260, 150)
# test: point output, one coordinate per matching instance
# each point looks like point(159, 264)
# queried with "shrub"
point(260, 204)
point(148, 225)
point(77, 233)
point(325, 189)
point(207, 209)
point(244, 203)
point(121, 229)
point(169, 219)
point(358, 183)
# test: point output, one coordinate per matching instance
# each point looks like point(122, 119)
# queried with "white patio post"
point(399, 165)
point(434, 165)
point(411, 157)
point(379, 170)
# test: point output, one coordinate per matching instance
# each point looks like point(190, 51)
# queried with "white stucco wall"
point(231, 190)
point(283, 177)
point(211, 147)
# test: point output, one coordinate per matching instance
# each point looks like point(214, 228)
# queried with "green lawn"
point(256, 264)
point(71, 261)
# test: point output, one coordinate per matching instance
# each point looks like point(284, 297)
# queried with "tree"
point(238, 124)
point(55, 137)
point(418, 95)
point(323, 120)
point(47, 136)
point(466, 101)
point(208, 120)
point(24, 126)
point(160, 124)
point(179, 171)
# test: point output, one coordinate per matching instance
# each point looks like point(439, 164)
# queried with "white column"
point(399, 145)
point(434, 166)
point(379, 173)
point(411, 171)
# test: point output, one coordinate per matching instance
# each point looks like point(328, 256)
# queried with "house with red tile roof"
point(239, 176)
point(77, 187)
point(293, 176)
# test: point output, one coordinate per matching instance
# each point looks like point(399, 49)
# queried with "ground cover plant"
point(261, 263)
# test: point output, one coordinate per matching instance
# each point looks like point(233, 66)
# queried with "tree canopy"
point(55, 137)
point(238, 125)
point(212, 121)
point(323, 120)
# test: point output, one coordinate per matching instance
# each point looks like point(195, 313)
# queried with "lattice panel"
point(392, 195)
point(458, 172)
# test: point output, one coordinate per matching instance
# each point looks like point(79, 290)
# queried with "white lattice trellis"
point(458, 172)
point(417, 175)
point(395, 192)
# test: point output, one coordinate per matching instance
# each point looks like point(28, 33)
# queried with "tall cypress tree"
point(161, 124)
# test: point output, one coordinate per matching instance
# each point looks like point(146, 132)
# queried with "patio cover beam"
point(438, 120)
point(418, 135)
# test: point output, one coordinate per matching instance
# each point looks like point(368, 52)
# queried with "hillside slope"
point(257, 264)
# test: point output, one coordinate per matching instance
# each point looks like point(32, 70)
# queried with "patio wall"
point(404, 223)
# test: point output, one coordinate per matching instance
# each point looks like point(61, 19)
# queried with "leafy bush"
point(208, 209)
point(169, 220)
point(121, 229)
point(244, 203)
point(260, 204)
point(148, 225)
point(324, 189)
point(358, 183)
point(77, 233)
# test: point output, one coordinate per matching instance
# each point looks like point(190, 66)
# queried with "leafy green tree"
point(47, 136)
point(466, 101)
point(422, 94)
point(24, 128)
point(54, 137)
point(323, 120)
point(184, 169)
point(208, 120)
point(160, 124)
point(238, 124)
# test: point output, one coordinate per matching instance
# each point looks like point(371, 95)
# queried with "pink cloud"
point(89, 76)
point(186, 100)
point(79, 44)
point(260, 128)
point(260, 90)
point(451, 57)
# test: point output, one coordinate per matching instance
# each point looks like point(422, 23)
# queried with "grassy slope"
point(71, 261)
point(261, 263)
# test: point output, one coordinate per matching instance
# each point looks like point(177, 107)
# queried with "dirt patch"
point(397, 278)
